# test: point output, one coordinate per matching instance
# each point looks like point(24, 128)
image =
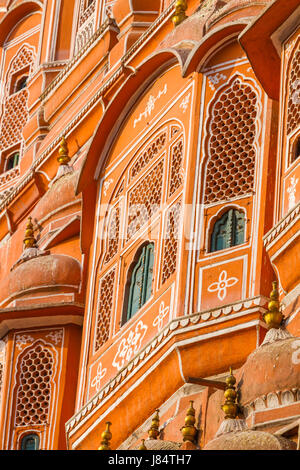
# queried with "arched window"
point(228, 231)
point(21, 84)
point(30, 442)
point(139, 286)
point(12, 161)
point(296, 150)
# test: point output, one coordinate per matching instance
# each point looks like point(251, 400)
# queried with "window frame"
point(26, 438)
point(234, 233)
point(147, 250)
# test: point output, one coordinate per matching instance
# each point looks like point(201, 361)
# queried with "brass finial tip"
point(143, 446)
point(230, 406)
point(273, 317)
point(230, 380)
point(154, 429)
point(180, 9)
point(189, 431)
point(29, 240)
point(63, 152)
point(106, 437)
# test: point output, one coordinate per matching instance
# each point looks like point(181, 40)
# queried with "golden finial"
point(143, 446)
point(154, 429)
point(106, 437)
point(273, 317)
point(230, 406)
point(189, 431)
point(180, 9)
point(63, 158)
point(29, 240)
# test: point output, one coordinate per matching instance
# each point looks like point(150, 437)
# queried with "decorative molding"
point(272, 400)
point(284, 224)
point(192, 320)
point(9, 176)
point(72, 64)
point(62, 75)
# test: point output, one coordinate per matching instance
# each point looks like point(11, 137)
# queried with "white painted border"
point(244, 258)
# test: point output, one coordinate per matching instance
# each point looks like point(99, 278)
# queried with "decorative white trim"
point(175, 326)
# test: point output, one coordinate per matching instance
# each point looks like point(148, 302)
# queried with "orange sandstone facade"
point(150, 195)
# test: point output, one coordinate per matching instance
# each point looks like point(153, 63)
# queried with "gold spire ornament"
point(153, 432)
point(189, 431)
point(106, 438)
point(143, 446)
point(29, 240)
point(180, 9)
point(273, 317)
point(63, 153)
point(63, 160)
point(31, 249)
point(230, 406)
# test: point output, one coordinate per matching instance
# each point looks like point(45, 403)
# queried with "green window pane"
point(30, 442)
point(228, 231)
point(140, 286)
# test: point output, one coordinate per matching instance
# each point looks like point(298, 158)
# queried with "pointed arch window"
point(139, 286)
point(12, 161)
point(21, 83)
point(228, 231)
point(296, 149)
point(30, 442)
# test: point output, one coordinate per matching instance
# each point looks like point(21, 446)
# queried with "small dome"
point(58, 195)
point(250, 440)
point(123, 8)
point(274, 367)
point(157, 444)
point(43, 274)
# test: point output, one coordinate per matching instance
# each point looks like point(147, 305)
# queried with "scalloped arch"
point(16, 14)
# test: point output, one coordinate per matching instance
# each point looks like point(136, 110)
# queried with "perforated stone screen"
point(293, 116)
point(147, 155)
point(171, 242)
point(145, 199)
point(231, 143)
point(34, 391)
point(105, 304)
point(113, 235)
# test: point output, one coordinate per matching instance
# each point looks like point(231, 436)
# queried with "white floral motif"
point(150, 105)
point(291, 190)
point(107, 185)
point(288, 48)
point(22, 340)
point(296, 354)
point(98, 377)
point(55, 336)
point(296, 92)
point(184, 103)
point(163, 311)
point(222, 285)
point(215, 79)
point(130, 346)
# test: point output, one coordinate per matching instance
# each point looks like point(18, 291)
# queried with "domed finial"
point(154, 429)
point(29, 240)
point(180, 9)
point(106, 437)
point(273, 317)
point(143, 446)
point(189, 431)
point(230, 406)
point(63, 152)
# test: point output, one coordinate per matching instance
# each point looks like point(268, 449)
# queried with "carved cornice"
point(284, 224)
point(72, 64)
point(62, 75)
point(272, 400)
point(187, 322)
